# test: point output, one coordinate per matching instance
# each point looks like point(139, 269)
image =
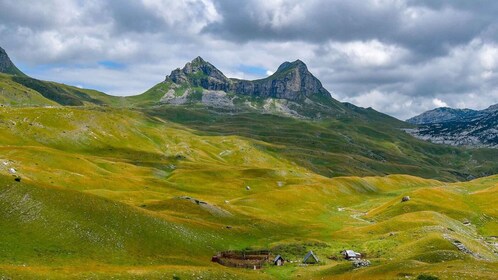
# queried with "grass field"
point(103, 194)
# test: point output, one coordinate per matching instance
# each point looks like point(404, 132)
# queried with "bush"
point(427, 277)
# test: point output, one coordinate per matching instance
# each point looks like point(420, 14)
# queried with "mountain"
point(18, 89)
point(444, 114)
point(458, 127)
point(291, 90)
point(291, 81)
point(100, 187)
point(6, 65)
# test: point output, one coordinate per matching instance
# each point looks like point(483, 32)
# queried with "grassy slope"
point(25, 91)
point(14, 94)
point(361, 143)
point(125, 170)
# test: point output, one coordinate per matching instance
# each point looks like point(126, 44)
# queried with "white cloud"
point(439, 103)
point(190, 15)
point(369, 53)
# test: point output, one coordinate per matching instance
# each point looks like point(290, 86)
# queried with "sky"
point(401, 57)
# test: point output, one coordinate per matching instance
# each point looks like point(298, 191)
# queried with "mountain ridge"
point(458, 127)
point(447, 114)
point(292, 81)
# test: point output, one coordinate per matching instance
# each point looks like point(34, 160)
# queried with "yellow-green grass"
point(16, 95)
point(100, 188)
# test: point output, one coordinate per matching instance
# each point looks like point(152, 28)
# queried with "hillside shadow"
point(362, 143)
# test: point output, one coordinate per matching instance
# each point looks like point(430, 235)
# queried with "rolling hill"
point(99, 187)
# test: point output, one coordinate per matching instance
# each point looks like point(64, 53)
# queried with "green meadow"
point(103, 193)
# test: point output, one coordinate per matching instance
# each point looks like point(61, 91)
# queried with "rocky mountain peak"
point(292, 81)
point(6, 65)
point(198, 60)
point(290, 65)
point(200, 73)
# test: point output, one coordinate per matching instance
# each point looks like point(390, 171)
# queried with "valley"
point(94, 186)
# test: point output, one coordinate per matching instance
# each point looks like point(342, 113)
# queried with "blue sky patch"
point(253, 70)
point(112, 64)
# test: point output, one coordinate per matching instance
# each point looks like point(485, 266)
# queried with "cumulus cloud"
point(439, 103)
point(401, 57)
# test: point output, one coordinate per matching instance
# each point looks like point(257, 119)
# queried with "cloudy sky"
point(401, 57)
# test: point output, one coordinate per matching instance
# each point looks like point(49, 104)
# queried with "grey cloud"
point(428, 29)
point(395, 56)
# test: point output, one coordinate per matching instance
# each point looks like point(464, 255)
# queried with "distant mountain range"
point(291, 91)
point(459, 127)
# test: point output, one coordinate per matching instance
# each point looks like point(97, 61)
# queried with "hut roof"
point(309, 255)
point(351, 254)
point(277, 258)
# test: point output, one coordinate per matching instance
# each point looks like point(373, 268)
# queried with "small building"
point(278, 261)
point(311, 258)
point(351, 255)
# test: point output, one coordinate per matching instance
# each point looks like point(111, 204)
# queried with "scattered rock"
point(280, 183)
point(462, 247)
point(248, 188)
point(17, 179)
point(226, 201)
point(361, 263)
point(214, 210)
point(180, 157)
point(405, 199)
point(228, 227)
point(12, 170)
point(391, 234)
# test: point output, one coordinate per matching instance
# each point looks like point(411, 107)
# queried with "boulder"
point(361, 263)
point(405, 199)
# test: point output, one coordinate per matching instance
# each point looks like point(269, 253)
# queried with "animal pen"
point(242, 259)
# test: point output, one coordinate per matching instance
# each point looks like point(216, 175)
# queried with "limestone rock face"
point(292, 81)
point(200, 73)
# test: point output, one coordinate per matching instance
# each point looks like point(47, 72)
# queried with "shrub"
point(427, 277)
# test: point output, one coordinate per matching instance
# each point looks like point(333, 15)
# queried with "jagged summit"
point(288, 65)
point(292, 81)
point(6, 65)
point(200, 73)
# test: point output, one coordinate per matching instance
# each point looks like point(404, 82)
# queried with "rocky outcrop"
point(405, 199)
point(292, 81)
point(6, 65)
point(478, 131)
point(200, 73)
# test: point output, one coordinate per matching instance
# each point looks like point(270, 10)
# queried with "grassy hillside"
point(103, 194)
point(360, 143)
point(22, 91)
